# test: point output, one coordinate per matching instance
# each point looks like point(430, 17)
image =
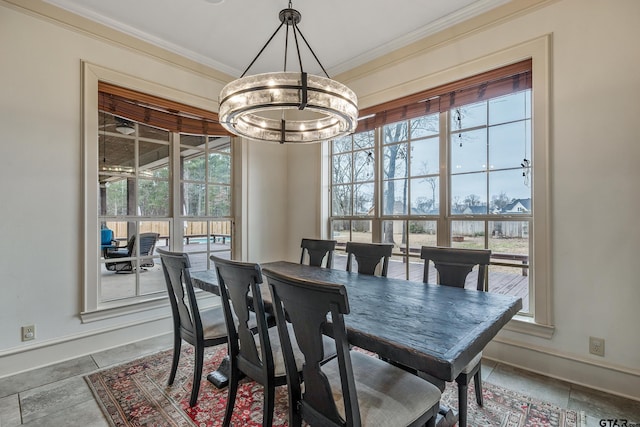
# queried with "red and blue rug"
point(136, 394)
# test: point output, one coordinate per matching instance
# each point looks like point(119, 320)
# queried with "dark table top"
point(431, 328)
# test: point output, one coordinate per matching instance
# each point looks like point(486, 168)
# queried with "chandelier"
point(288, 107)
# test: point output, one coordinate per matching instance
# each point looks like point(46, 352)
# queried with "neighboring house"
point(474, 210)
point(518, 206)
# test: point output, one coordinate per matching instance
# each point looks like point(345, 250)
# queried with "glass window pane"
point(341, 200)
point(425, 126)
point(220, 235)
point(361, 231)
point(394, 232)
point(363, 165)
point(153, 197)
point(115, 286)
point(195, 232)
point(193, 140)
point(145, 131)
point(341, 169)
point(509, 144)
point(421, 233)
point(152, 276)
point(395, 132)
point(468, 234)
point(220, 144)
point(395, 161)
point(116, 155)
point(220, 168)
point(193, 168)
point(152, 156)
point(193, 199)
point(340, 231)
point(343, 144)
point(121, 231)
point(509, 244)
point(509, 108)
point(219, 200)
point(469, 151)
point(425, 157)
point(510, 186)
point(363, 140)
point(394, 197)
point(117, 196)
point(425, 196)
point(468, 194)
point(469, 116)
point(363, 199)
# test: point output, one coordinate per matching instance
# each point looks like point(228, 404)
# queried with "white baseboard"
point(15, 361)
point(38, 354)
point(609, 378)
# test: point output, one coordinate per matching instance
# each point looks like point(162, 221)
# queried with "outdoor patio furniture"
point(147, 245)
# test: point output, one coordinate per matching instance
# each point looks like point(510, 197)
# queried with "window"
point(451, 166)
point(134, 177)
point(158, 174)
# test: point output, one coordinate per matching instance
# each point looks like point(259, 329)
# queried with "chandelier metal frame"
point(263, 106)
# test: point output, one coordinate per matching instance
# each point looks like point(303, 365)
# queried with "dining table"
point(431, 329)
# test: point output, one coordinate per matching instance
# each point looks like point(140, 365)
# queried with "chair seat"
point(213, 325)
point(387, 395)
point(467, 369)
point(278, 355)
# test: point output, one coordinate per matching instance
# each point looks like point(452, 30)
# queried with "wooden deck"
point(500, 282)
point(115, 286)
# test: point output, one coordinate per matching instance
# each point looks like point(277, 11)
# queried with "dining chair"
point(453, 265)
point(317, 250)
point(258, 356)
point(201, 329)
point(353, 388)
point(368, 256)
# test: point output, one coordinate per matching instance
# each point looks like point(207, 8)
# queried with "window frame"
point(91, 308)
point(538, 50)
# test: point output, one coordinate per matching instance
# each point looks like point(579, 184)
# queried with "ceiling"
point(228, 34)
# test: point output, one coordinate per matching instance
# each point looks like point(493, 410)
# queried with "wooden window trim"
point(158, 112)
point(490, 84)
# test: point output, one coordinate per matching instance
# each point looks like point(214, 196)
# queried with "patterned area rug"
point(136, 394)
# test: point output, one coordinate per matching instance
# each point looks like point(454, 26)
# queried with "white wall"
point(41, 185)
point(595, 69)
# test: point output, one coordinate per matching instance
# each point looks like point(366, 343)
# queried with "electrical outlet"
point(28, 333)
point(596, 346)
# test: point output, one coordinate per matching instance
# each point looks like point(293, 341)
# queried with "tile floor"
point(59, 396)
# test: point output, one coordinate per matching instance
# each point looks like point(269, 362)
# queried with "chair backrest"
point(148, 243)
point(236, 280)
point(307, 304)
point(184, 306)
point(106, 236)
point(454, 265)
point(317, 250)
point(368, 256)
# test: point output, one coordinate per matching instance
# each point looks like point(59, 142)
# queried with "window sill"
point(527, 325)
point(109, 311)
